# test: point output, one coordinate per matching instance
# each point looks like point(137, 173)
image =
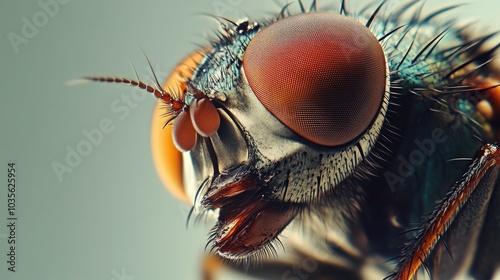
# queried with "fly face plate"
point(350, 130)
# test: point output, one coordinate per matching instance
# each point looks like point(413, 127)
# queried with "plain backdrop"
point(110, 217)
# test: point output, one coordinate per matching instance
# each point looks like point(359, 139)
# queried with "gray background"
point(110, 217)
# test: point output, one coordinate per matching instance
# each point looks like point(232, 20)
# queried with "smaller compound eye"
point(321, 74)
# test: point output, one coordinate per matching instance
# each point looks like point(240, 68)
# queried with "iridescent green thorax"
point(219, 73)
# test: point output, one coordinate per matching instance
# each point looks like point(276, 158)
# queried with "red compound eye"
point(321, 74)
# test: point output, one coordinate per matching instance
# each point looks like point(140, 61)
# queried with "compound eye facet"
point(323, 75)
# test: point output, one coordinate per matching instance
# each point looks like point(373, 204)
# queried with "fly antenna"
point(119, 80)
point(152, 70)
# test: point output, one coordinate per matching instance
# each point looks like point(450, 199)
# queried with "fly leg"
point(446, 243)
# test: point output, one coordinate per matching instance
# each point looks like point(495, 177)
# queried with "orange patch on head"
point(166, 157)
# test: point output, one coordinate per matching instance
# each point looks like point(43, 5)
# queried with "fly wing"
point(448, 238)
point(487, 260)
point(454, 253)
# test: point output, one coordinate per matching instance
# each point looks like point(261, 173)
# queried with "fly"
point(365, 136)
